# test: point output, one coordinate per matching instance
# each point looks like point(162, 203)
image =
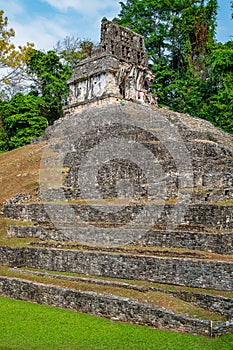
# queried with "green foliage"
point(212, 98)
point(27, 326)
point(175, 32)
point(25, 117)
point(10, 56)
point(49, 78)
point(72, 50)
point(192, 72)
point(3, 138)
point(21, 121)
point(219, 87)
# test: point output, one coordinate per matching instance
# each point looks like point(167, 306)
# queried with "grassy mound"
point(23, 327)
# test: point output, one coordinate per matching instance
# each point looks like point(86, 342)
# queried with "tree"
point(178, 32)
point(72, 50)
point(49, 76)
point(25, 116)
point(12, 59)
point(179, 39)
point(21, 121)
point(218, 104)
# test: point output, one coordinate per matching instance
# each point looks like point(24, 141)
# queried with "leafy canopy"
point(49, 76)
point(72, 50)
point(21, 121)
point(11, 58)
point(193, 73)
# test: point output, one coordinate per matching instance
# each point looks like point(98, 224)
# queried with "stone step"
point(190, 272)
point(198, 194)
point(83, 223)
point(211, 302)
point(116, 308)
point(219, 242)
point(217, 216)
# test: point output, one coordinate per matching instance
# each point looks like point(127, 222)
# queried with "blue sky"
point(44, 22)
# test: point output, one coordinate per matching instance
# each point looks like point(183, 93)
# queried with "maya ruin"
point(129, 191)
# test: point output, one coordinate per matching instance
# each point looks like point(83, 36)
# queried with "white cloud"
point(40, 31)
point(64, 5)
point(44, 26)
point(11, 8)
point(89, 7)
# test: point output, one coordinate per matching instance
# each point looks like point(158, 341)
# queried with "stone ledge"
point(178, 271)
point(220, 243)
point(117, 308)
point(121, 309)
point(210, 302)
point(219, 217)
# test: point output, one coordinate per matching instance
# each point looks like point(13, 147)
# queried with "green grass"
point(27, 326)
point(154, 298)
point(6, 271)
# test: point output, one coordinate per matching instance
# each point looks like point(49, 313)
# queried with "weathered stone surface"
point(121, 309)
point(210, 302)
point(122, 42)
point(188, 272)
point(221, 243)
point(222, 329)
point(102, 305)
point(204, 215)
point(190, 233)
point(117, 69)
point(120, 172)
point(214, 303)
point(209, 149)
point(203, 223)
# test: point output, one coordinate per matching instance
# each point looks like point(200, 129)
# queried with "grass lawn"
point(30, 326)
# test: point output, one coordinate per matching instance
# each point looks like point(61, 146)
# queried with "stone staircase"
point(178, 233)
point(207, 227)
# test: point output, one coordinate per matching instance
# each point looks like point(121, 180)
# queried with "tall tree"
point(12, 59)
point(21, 121)
point(49, 78)
point(218, 102)
point(72, 50)
point(180, 41)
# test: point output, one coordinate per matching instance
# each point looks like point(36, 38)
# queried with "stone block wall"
point(123, 43)
point(202, 215)
point(210, 302)
point(190, 234)
point(209, 151)
point(121, 309)
point(222, 329)
point(187, 272)
point(221, 243)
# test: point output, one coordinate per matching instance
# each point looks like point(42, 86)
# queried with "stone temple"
point(117, 70)
point(131, 191)
point(121, 170)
